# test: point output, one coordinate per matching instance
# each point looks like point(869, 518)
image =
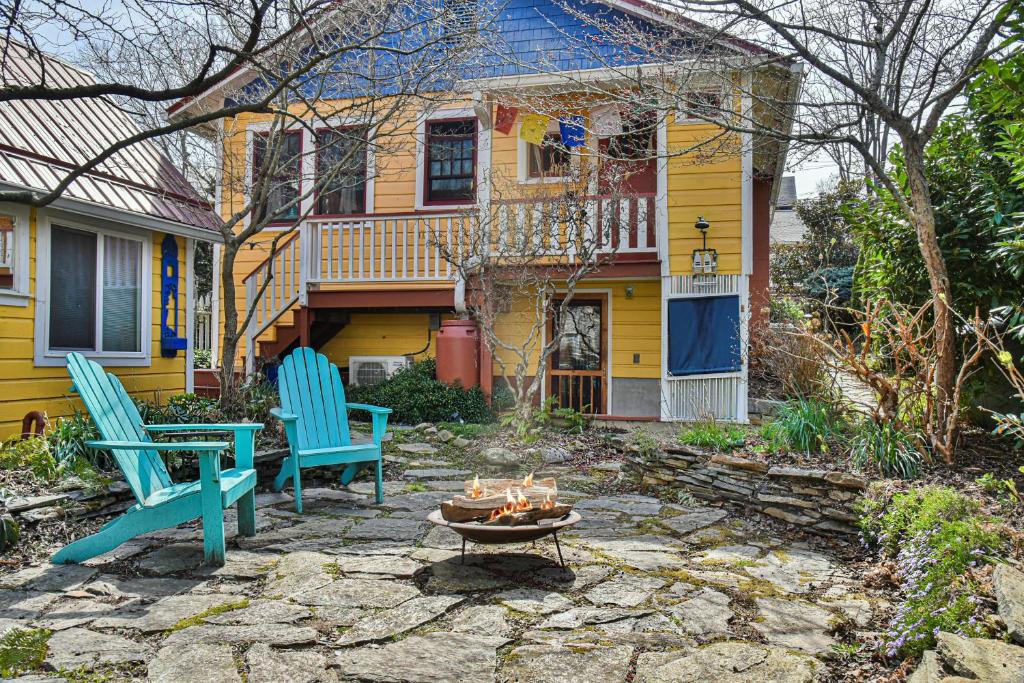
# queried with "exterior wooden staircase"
point(287, 333)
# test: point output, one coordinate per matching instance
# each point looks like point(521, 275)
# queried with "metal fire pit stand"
point(498, 534)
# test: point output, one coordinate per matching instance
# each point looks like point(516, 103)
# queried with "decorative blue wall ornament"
point(572, 131)
point(170, 342)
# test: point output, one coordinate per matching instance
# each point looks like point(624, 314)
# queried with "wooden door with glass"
point(577, 370)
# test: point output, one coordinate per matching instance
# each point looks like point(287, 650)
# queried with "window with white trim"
point(14, 285)
point(95, 295)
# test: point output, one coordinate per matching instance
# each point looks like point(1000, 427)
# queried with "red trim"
point(384, 298)
point(316, 170)
point(386, 214)
point(426, 162)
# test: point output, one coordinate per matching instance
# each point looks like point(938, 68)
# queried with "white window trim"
point(483, 156)
point(44, 357)
point(523, 162)
point(20, 293)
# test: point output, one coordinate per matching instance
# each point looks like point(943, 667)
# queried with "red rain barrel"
point(458, 351)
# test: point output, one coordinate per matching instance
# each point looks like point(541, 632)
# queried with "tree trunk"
point(923, 219)
point(229, 349)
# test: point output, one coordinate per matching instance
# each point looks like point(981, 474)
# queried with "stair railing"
point(271, 289)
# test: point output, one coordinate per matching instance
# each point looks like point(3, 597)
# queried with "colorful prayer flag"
point(606, 120)
point(532, 128)
point(505, 119)
point(572, 131)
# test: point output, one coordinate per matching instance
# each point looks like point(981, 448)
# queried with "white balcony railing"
point(412, 247)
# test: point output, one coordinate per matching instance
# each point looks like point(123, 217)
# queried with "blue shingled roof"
point(525, 37)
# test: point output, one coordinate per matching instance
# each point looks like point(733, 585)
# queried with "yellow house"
point(361, 275)
point(83, 273)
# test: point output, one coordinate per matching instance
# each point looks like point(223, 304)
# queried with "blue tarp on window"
point(704, 335)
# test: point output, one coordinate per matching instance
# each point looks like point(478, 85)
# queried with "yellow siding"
point(635, 327)
point(381, 334)
point(24, 387)
point(698, 186)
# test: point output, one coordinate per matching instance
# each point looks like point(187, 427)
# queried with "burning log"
point(518, 503)
point(481, 488)
point(531, 516)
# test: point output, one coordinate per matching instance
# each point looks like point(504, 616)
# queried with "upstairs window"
point(549, 160)
point(341, 155)
point(282, 155)
point(450, 176)
point(701, 106)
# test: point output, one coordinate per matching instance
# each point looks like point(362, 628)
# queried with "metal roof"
point(787, 193)
point(41, 141)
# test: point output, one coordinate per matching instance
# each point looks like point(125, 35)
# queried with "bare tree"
point(877, 73)
point(396, 58)
point(522, 260)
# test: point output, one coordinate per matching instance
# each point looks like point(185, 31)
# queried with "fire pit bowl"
point(498, 533)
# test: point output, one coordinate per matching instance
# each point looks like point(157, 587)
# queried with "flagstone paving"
point(654, 591)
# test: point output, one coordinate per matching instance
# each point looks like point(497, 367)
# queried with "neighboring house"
point(787, 228)
point(84, 273)
point(666, 346)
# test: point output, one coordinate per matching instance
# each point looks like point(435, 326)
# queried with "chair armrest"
point(216, 446)
point(376, 410)
point(245, 437)
point(379, 416)
point(227, 427)
point(283, 416)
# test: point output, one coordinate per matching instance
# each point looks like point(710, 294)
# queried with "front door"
point(578, 368)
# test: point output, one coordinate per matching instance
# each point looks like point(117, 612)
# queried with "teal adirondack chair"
point(315, 417)
point(160, 502)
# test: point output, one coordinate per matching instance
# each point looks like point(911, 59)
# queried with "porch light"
point(705, 261)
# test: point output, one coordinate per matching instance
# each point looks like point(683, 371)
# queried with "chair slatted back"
point(310, 386)
point(117, 419)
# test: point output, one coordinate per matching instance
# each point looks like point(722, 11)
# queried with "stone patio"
point(354, 591)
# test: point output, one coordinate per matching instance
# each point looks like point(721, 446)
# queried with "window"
point(343, 153)
point(95, 292)
point(549, 160)
point(704, 335)
point(14, 255)
point(701, 106)
point(285, 176)
point(6, 252)
point(636, 142)
point(451, 161)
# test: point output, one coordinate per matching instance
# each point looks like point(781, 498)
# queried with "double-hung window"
point(450, 176)
point(341, 171)
point(278, 159)
point(14, 281)
point(96, 295)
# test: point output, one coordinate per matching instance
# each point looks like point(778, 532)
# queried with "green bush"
point(32, 455)
point(67, 439)
point(937, 536)
point(416, 396)
point(889, 449)
point(712, 435)
point(832, 286)
point(201, 359)
point(802, 424)
point(785, 310)
point(180, 409)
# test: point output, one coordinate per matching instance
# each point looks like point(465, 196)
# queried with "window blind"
point(121, 294)
point(72, 289)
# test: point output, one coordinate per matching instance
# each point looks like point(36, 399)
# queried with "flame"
point(477, 491)
point(528, 481)
point(513, 504)
point(548, 504)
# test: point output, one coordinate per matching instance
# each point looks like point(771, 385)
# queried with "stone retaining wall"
point(820, 500)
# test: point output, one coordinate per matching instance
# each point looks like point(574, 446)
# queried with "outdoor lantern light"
point(705, 261)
